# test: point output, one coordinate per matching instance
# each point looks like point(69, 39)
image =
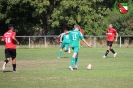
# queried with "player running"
point(75, 35)
point(64, 44)
point(111, 32)
point(10, 47)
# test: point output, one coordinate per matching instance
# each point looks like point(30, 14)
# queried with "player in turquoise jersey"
point(64, 44)
point(75, 35)
point(76, 59)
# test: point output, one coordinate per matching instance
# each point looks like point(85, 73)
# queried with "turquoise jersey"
point(66, 38)
point(75, 35)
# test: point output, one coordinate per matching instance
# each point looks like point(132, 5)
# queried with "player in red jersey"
point(10, 46)
point(111, 32)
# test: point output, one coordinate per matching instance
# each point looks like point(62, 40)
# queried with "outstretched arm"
point(86, 42)
point(2, 40)
point(61, 37)
point(57, 37)
point(116, 37)
point(15, 39)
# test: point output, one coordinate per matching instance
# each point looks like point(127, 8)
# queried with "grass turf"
point(40, 68)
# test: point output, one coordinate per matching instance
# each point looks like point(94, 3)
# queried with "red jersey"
point(111, 33)
point(81, 30)
point(7, 37)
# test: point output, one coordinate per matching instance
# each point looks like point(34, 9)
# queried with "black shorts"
point(109, 43)
point(10, 53)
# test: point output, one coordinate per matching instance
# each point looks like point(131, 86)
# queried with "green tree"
point(41, 16)
point(123, 24)
point(88, 14)
point(26, 15)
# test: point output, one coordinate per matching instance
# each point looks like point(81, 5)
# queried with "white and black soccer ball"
point(89, 66)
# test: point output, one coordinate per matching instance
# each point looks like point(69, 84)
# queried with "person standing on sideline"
point(10, 47)
point(111, 32)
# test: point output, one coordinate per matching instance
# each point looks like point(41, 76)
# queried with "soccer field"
point(40, 68)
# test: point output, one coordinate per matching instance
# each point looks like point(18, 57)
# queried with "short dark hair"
point(10, 26)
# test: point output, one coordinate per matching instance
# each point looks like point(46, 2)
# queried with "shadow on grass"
point(64, 57)
point(73, 69)
point(6, 71)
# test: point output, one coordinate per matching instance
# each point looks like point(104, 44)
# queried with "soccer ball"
point(89, 66)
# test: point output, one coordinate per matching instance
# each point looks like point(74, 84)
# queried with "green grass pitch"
point(40, 68)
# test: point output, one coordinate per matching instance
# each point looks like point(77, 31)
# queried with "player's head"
point(76, 27)
point(10, 27)
point(110, 25)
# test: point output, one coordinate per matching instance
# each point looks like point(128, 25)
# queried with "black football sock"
point(112, 51)
point(14, 67)
point(6, 61)
point(106, 52)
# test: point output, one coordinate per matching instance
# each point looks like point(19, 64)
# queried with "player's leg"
point(14, 64)
point(69, 50)
point(13, 55)
point(108, 48)
point(7, 56)
point(76, 61)
point(76, 50)
point(72, 61)
point(5, 62)
point(60, 51)
point(66, 47)
point(112, 50)
point(73, 57)
point(114, 53)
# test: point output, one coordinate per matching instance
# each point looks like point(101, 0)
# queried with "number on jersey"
point(67, 36)
point(8, 40)
point(74, 37)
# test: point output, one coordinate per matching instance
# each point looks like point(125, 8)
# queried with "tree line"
point(43, 17)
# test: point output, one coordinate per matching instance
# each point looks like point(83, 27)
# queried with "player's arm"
point(116, 36)
point(61, 37)
point(13, 37)
point(81, 37)
point(2, 39)
point(86, 42)
point(106, 32)
point(57, 37)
